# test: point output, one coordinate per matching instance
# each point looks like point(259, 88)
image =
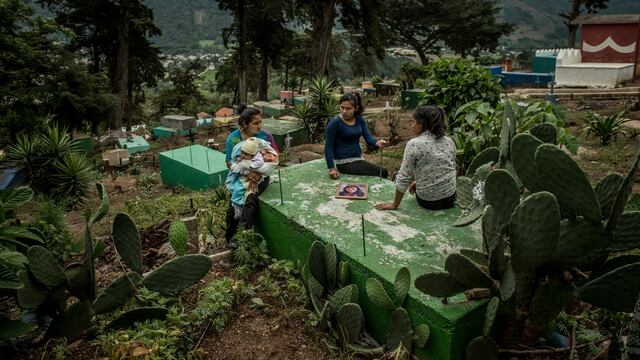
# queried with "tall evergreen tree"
point(576, 9)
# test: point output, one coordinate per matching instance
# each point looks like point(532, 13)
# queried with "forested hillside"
point(196, 25)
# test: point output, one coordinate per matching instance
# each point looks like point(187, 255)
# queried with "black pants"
point(362, 167)
point(446, 203)
point(247, 218)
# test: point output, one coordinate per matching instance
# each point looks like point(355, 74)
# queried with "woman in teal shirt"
point(250, 121)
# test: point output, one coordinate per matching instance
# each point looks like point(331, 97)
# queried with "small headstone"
point(633, 126)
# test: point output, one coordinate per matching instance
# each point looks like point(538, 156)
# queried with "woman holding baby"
point(261, 148)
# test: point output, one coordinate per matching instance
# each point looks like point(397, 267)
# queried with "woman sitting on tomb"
point(342, 141)
point(428, 167)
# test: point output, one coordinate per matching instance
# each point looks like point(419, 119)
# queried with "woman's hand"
point(381, 143)
point(386, 206)
point(412, 188)
point(333, 173)
point(254, 177)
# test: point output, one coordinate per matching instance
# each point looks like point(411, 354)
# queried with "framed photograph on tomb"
point(352, 191)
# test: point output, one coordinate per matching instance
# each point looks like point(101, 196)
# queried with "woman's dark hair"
point(246, 114)
point(431, 118)
point(355, 99)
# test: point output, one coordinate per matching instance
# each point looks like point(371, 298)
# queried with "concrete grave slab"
point(195, 167)
point(410, 236)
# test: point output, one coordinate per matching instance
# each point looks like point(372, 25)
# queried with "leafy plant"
point(323, 107)
point(605, 127)
point(53, 165)
point(563, 227)
point(215, 304)
point(453, 82)
point(49, 220)
point(251, 251)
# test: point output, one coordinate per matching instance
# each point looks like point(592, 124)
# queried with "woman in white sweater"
point(428, 167)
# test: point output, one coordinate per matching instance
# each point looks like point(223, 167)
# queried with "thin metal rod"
point(208, 165)
point(191, 155)
point(364, 247)
point(380, 163)
point(280, 182)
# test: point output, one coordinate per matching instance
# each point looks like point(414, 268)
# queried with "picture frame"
point(352, 191)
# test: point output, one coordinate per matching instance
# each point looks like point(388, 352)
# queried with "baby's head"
point(267, 156)
point(249, 149)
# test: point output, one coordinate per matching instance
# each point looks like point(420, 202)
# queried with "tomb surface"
point(281, 129)
point(134, 144)
point(195, 166)
point(409, 236)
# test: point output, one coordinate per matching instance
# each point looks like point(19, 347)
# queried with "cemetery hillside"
point(330, 179)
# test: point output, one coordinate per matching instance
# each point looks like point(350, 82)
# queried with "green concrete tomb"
point(410, 236)
point(163, 132)
point(179, 122)
point(281, 129)
point(276, 110)
point(196, 167)
point(134, 144)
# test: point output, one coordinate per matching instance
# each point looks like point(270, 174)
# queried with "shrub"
point(50, 221)
point(605, 127)
point(453, 82)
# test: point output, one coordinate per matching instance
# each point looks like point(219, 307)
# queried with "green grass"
point(206, 43)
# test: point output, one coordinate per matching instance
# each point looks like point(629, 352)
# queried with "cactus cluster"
point(544, 226)
point(401, 332)
point(46, 284)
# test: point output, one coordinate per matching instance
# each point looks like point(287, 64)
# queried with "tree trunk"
point(575, 12)
point(423, 57)
point(264, 75)
point(96, 60)
point(122, 66)
point(321, 37)
point(286, 76)
point(242, 54)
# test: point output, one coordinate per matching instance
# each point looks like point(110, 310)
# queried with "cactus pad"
point(487, 156)
point(347, 294)
point(535, 228)
point(490, 233)
point(507, 283)
point(117, 293)
point(606, 190)
point(545, 132)
point(563, 177)
point(633, 340)
point(78, 282)
point(421, 335)
point(316, 263)
point(401, 286)
point(613, 264)
point(466, 272)
point(44, 267)
point(616, 290)
point(136, 315)
point(439, 284)
point(476, 256)
point(330, 265)
point(626, 235)
point(315, 293)
point(502, 193)
point(400, 330)
point(549, 299)
point(580, 242)
point(88, 260)
point(634, 203)
point(464, 192)
point(104, 205)
point(126, 238)
point(178, 274)
point(523, 151)
point(179, 237)
point(344, 273)
point(378, 295)
point(29, 296)
point(10, 329)
point(482, 348)
point(350, 318)
point(72, 323)
point(490, 315)
point(622, 196)
point(469, 216)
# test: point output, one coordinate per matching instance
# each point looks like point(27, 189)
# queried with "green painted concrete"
point(134, 144)
point(85, 143)
point(409, 99)
point(195, 167)
point(299, 100)
point(276, 110)
point(163, 132)
point(179, 122)
point(409, 236)
point(281, 129)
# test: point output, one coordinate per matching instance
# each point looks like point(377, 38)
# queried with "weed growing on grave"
point(605, 127)
point(50, 221)
point(251, 253)
point(216, 303)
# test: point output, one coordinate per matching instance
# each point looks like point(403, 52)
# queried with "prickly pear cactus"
point(616, 290)
point(179, 237)
point(486, 156)
point(349, 318)
point(633, 341)
point(137, 315)
point(378, 295)
point(439, 284)
point(482, 348)
point(502, 193)
point(177, 274)
point(606, 190)
point(316, 263)
point(29, 296)
point(523, 151)
point(117, 293)
point(626, 235)
point(127, 241)
point(466, 272)
point(44, 267)
point(347, 294)
point(401, 286)
point(400, 330)
point(545, 132)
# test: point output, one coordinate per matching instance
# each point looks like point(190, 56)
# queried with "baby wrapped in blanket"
point(249, 155)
